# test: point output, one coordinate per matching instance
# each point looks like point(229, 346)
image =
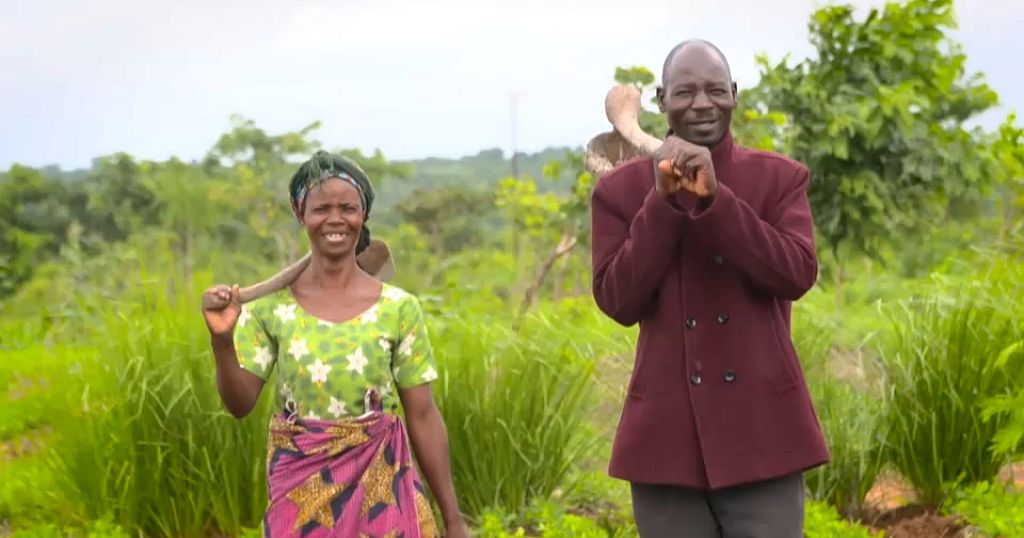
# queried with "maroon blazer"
point(717, 396)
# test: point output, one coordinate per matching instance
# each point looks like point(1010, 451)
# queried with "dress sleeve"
point(254, 344)
point(412, 362)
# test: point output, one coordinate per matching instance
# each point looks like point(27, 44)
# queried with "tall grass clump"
point(150, 444)
point(515, 406)
point(1007, 275)
point(852, 421)
point(850, 413)
point(946, 359)
point(813, 334)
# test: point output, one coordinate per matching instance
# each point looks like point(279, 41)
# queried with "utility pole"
point(514, 119)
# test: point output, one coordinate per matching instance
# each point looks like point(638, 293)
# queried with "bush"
point(850, 416)
point(852, 422)
point(992, 509)
point(1009, 439)
point(514, 407)
point(823, 521)
point(548, 520)
point(605, 498)
point(150, 444)
point(944, 365)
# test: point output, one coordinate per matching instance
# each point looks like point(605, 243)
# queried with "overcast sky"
point(415, 78)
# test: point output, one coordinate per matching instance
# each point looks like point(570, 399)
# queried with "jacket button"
point(729, 376)
point(691, 323)
point(723, 318)
point(718, 259)
point(695, 378)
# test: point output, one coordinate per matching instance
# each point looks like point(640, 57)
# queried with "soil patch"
point(24, 444)
point(928, 525)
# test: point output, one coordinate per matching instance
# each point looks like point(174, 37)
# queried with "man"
point(706, 252)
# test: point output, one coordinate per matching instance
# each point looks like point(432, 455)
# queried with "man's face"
point(698, 96)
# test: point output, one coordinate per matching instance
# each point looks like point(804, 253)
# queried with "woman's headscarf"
point(323, 166)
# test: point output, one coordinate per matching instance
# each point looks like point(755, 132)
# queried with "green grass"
point(849, 409)
point(143, 444)
point(943, 365)
point(1009, 440)
point(991, 508)
point(27, 491)
point(551, 519)
point(150, 444)
point(853, 424)
point(18, 332)
point(823, 521)
point(101, 528)
point(32, 385)
point(513, 406)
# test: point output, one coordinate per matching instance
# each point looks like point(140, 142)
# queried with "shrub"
point(852, 423)
point(513, 406)
point(150, 444)
point(944, 363)
point(823, 521)
point(992, 509)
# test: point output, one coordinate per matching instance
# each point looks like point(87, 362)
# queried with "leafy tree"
point(259, 165)
point(651, 120)
point(248, 144)
point(532, 213)
point(32, 217)
point(1008, 150)
point(878, 114)
point(117, 201)
point(378, 167)
point(451, 219)
point(189, 205)
point(556, 221)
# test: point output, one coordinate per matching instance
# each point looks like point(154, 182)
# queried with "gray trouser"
point(770, 509)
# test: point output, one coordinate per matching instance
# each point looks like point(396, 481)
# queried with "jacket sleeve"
point(777, 254)
point(631, 254)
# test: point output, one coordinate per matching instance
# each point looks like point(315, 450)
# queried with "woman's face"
point(333, 217)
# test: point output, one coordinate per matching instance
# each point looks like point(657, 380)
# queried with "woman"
point(343, 344)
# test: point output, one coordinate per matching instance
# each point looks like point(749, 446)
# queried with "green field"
point(912, 340)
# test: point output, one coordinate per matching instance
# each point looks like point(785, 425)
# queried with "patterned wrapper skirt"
point(344, 478)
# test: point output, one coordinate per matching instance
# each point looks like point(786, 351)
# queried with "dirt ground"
point(891, 507)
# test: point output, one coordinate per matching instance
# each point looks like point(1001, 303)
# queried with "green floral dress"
point(325, 370)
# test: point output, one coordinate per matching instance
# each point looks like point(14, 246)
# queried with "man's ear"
point(660, 93)
point(735, 93)
point(297, 212)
